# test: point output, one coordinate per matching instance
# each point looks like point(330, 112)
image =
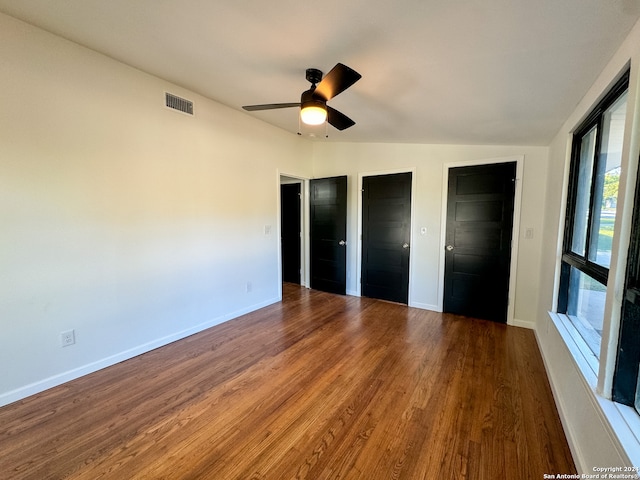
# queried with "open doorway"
point(292, 227)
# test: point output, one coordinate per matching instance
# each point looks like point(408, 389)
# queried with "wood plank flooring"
point(318, 386)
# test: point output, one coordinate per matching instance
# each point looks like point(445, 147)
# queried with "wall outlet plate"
point(67, 338)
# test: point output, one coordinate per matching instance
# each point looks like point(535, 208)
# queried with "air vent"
point(177, 103)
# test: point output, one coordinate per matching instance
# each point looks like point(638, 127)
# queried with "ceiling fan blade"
point(336, 81)
point(270, 106)
point(338, 119)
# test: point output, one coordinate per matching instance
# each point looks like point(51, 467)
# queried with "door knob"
point(449, 248)
point(342, 243)
point(405, 245)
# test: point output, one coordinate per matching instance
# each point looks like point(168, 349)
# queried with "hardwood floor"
point(317, 386)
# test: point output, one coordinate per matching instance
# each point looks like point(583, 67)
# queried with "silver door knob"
point(449, 248)
point(342, 243)
point(405, 245)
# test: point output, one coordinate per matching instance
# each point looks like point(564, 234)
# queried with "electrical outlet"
point(67, 338)
point(249, 287)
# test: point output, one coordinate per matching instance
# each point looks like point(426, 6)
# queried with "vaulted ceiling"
point(434, 71)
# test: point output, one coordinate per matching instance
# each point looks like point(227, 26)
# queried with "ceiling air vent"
point(177, 103)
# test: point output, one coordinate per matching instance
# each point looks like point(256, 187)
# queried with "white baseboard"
point(574, 447)
point(59, 379)
point(425, 306)
point(523, 323)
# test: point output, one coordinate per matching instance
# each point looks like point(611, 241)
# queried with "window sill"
point(622, 421)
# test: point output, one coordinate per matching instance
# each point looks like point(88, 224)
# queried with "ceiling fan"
point(313, 102)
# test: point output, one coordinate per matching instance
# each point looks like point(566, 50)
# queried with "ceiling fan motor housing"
point(314, 75)
point(308, 99)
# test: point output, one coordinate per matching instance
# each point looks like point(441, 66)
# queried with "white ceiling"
point(434, 71)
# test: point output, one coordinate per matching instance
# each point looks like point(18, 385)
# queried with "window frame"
point(570, 258)
point(626, 379)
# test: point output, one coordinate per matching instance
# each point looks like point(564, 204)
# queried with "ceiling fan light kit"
point(313, 102)
point(313, 114)
point(313, 111)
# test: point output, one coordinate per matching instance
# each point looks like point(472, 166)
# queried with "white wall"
point(354, 159)
point(592, 439)
point(129, 222)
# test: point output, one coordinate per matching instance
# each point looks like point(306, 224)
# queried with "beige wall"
point(119, 218)
point(428, 162)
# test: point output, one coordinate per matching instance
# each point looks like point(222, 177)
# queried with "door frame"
point(515, 237)
point(304, 226)
point(361, 175)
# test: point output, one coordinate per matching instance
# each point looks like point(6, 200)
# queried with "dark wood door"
point(290, 232)
point(386, 235)
point(328, 234)
point(478, 240)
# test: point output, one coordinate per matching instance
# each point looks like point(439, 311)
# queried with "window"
point(626, 381)
point(591, 212)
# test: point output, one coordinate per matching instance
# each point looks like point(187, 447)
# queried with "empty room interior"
point(438, 277)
